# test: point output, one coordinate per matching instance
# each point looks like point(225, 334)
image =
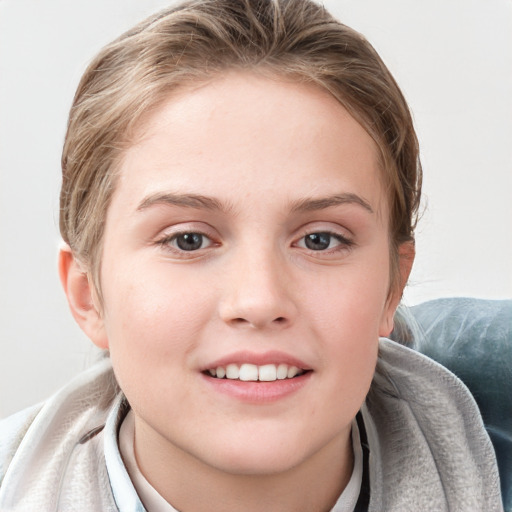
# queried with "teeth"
point(292, 371)
point(248, 372)
point(282, 371)
point(252, 372)
point(232, 371)
point(268, 372)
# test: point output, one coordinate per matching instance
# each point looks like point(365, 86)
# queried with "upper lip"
point(245, 356)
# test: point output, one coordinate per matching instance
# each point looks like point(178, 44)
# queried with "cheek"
point(351, 335)
point(347, 312)
point(353, 299)
point(153, 321)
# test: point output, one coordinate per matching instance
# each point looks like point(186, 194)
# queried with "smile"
point(251, 372)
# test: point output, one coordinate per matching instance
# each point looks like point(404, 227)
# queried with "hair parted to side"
point(194, 42)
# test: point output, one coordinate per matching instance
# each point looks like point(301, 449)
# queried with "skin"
point(263, 152)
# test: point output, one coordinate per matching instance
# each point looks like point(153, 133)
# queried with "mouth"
point(248, 372)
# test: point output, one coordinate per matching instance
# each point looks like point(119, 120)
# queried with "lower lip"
point(258, 392)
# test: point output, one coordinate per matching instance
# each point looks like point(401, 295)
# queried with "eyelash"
point(344, 243)
point(169, 239)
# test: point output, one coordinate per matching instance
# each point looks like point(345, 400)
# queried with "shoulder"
point(403, 374)
point(12, 432)
point(430, 447)
point(44, 448)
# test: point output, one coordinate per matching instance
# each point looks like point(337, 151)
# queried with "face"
point(248, 235)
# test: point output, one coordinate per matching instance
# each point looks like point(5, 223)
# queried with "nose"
point(258, 292)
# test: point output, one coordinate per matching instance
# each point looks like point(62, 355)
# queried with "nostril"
point(280, 320)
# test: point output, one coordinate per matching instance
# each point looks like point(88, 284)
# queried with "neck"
point(191, 485)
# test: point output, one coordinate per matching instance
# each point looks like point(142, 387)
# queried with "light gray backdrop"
point(453, 59)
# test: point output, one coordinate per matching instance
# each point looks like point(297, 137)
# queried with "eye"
point(322, 241)
point(189, 241)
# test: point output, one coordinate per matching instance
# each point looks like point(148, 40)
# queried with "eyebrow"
point(201, 202)
point(321, 203)
point(183, 200)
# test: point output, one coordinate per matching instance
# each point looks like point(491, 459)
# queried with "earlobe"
point(79, 293)
point(406, 254)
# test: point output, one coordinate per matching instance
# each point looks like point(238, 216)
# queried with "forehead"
point(271, 137)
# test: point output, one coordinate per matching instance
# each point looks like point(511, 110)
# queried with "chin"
point(258, 454)
point(259, 462)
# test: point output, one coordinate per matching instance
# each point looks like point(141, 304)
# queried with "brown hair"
point(197, 40)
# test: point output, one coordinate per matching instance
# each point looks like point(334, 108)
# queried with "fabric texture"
point(428, 446)
point(473, 339)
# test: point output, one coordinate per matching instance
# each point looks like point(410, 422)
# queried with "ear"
point(81, 298)
point(406, 254)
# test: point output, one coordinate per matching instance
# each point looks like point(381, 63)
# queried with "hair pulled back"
point(196, 41)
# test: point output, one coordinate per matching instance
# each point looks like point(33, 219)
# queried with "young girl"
point(240, 188)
